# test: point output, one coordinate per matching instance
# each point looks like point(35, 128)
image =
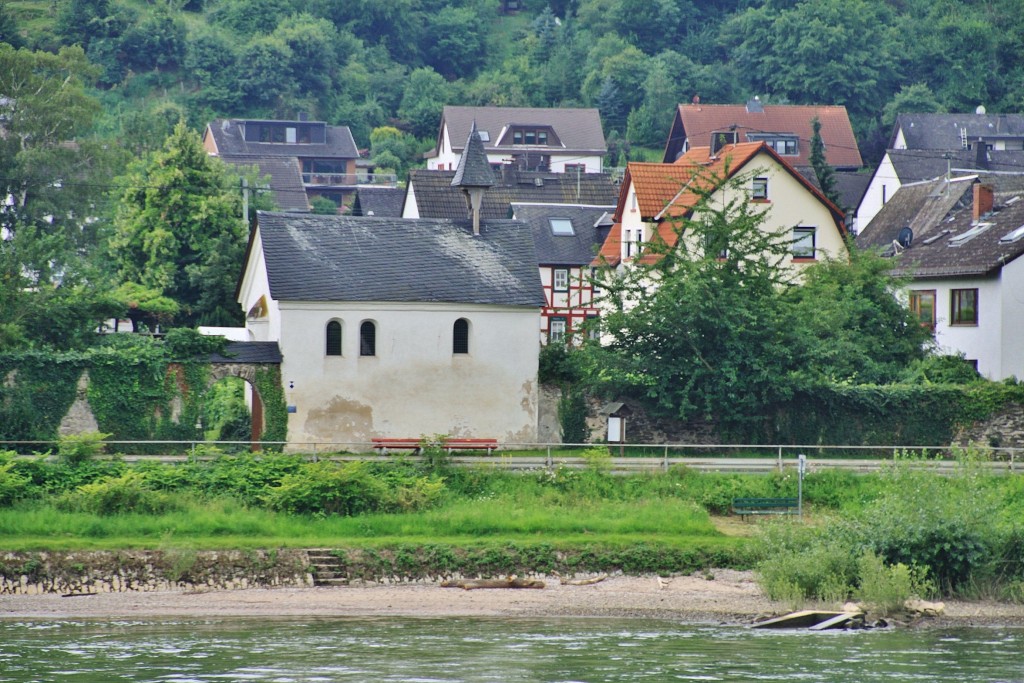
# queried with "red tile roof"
point(699, 121)
point(666, 190)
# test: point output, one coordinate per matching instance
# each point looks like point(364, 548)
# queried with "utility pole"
point(245, 202)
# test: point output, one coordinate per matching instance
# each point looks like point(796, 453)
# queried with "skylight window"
point(1012, 236)
point(484, 136)
point(969, 235)
point(936, 237)
point(561, 226)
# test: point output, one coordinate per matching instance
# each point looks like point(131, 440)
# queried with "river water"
point(506, 651)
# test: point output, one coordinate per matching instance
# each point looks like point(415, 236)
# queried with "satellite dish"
point(905, 237)
point(980, 110)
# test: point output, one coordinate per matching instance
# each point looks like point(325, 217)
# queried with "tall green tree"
point(178, 230)
point(49, 171)
point(697, 331)
point(849, 325)
point(822, 169)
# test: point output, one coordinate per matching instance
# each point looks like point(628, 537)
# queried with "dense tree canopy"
point(48, 221)
point(727, 332)
point(366, 63)
point(179, 230)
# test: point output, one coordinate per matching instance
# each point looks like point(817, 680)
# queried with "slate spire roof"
point(474, 169)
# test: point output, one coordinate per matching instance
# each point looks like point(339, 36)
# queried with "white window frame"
point(560, 279)
point(557, 327)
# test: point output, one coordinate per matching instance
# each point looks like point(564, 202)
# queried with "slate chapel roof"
point(474, 170)
point(346, 258)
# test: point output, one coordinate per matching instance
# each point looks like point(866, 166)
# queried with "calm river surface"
point(450, 650)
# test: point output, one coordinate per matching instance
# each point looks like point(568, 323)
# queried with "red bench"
point(382, 445)
point(470, 445)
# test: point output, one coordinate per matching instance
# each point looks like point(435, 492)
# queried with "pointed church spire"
point(474, 175)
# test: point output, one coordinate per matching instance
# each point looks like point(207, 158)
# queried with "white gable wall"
point(446, 159)
point(1012, 318)
point(255, 284)
point(995, 342)
point(882, 187)
point(414, 385)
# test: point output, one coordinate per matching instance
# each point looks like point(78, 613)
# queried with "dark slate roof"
point(590, 225)
point(285, 179)
point(474, 169)
point(945, 131)
point(936, 212)
point(346, 258)
point(578, 130)
point(249, 352)
point(913, 165)
point(436, 198)
point(851, 188)
point(227, 134)
point(379, 201)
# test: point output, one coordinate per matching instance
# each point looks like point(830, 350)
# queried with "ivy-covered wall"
point(138, 390)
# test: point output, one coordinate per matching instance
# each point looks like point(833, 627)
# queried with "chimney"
point(754, 106)
point(983, 198)
point(980, 154)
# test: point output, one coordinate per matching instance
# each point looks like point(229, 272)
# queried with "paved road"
point(653, 464)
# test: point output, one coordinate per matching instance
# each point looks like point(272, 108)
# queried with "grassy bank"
point(929, 533)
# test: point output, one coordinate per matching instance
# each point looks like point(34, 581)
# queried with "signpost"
point(801, 468)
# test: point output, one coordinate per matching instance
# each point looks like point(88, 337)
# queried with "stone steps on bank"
point(327, 568)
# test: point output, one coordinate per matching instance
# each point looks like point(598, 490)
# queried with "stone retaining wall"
point(150, 570)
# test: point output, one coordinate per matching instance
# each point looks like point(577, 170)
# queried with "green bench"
point(765, 506)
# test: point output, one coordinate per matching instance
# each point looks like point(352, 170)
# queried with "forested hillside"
point(370, 63)
point(113, 208)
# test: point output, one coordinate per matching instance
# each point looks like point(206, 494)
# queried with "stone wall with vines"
point(138, 390)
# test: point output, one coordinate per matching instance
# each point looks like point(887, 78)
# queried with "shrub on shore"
point(924, 532)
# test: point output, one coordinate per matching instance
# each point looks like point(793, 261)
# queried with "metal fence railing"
point(521, 456)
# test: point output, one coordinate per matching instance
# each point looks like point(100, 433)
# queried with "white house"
point(654, 196)
point(528, 139)
point(397, 328)
point(959, 243)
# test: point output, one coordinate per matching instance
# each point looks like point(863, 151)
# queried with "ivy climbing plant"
point(140, 389)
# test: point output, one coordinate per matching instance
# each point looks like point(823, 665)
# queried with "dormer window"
point(538, 136)
point(783, 144)
point(285, 132)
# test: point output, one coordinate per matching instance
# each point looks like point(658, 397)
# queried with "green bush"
point(885, 588)
point(798, 563)
point(115, 496)
point(13, 486)
point(75, 449)
point(572, 416)
point(350, 488)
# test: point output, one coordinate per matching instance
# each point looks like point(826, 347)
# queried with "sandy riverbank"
point(730, 597)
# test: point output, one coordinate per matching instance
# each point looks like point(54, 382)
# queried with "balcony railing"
point(349, 179)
